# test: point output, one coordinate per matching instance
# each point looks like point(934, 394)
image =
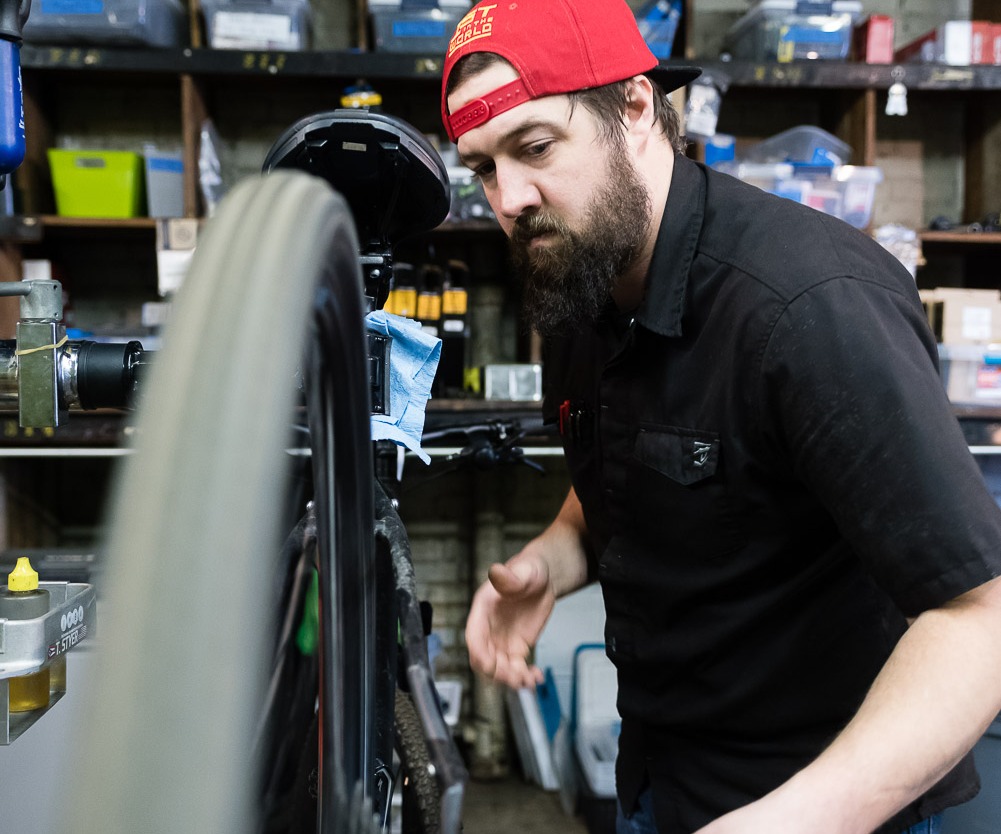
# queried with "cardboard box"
point(872, 40)
point(963, 316)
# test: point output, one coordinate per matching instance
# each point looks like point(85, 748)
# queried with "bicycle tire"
point(166, 746)
point(421, 797)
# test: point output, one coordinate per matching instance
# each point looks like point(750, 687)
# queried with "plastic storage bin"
point(415, 26)
point(164, 184)
point(804, 144)
point(792, 30)
point(97, 183)
point(658, 24)
point(971, 373)
point(596, 726)
point(115, 22)
point(597, 722)
point(258, 24)
point(845, 191)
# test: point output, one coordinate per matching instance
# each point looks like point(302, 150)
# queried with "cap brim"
point(671, 78)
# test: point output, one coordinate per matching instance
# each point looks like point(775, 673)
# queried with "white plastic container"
point(596, 735)
point(793, 30)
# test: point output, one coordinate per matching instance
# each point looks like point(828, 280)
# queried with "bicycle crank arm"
point(450, 771)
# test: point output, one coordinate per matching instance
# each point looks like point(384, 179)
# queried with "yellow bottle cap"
point(23, 577)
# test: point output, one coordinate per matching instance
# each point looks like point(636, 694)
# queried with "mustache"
point(532, 225)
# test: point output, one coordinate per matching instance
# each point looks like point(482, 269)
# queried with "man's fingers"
point(512, 579)
point(513, 671)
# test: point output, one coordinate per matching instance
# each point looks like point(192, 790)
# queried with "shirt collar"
point(677, 239)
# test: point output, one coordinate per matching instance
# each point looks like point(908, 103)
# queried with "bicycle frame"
point(175, 511)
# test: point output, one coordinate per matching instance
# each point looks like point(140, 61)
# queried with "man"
point(797, 553)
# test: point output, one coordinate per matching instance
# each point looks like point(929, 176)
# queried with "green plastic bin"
point(97, 183)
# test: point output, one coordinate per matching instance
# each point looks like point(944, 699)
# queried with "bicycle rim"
point(195, 523)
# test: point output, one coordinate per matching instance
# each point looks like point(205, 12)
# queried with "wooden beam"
point(982, 162)
point(194, 113)
point(10, 306)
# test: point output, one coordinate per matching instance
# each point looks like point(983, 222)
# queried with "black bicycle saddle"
point(391, 177)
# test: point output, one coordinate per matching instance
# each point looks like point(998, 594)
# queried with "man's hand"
point(506, 618)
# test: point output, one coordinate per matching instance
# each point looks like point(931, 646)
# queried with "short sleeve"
point(852, 396)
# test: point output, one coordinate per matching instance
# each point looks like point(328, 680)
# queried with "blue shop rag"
point(413, 360)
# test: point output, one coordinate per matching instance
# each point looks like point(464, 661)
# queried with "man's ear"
point(639, 117)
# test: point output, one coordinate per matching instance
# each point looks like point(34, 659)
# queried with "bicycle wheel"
point(194, 527)
point(421, 797)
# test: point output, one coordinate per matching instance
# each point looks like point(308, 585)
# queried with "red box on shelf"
point(996, 43)
point(872, 40)
point(981, 42)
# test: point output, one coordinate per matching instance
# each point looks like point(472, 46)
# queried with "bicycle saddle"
point(391, 177)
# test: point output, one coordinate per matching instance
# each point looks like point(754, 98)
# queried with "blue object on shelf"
point(658, 24)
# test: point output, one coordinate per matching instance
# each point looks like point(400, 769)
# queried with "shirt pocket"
point(685, 456)
point(680, 495)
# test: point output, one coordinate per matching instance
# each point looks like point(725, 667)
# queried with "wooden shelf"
point(958, 238)
point(58, 222)
point(375, 65)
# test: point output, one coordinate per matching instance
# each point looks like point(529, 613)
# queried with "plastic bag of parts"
point(210, 179)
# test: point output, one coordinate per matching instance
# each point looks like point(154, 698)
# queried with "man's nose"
point(516, 193)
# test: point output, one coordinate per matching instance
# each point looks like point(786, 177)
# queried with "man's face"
point(571, 203)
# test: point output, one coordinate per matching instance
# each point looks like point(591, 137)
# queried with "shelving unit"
point(131, 96)
point(175, 90)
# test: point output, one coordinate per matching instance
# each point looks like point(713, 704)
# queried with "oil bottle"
point(24, 600)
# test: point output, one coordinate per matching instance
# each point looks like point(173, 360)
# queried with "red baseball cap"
point(557, 46)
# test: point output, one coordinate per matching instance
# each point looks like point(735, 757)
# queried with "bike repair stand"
point(13, 15)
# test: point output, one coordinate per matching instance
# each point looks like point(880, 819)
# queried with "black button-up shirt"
point(772, 479)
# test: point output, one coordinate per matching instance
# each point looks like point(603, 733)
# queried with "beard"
point(567, 280)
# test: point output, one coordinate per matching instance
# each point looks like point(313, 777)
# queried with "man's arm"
point(934, 698)
point(510, 609)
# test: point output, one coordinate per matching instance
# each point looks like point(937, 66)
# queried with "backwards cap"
point(557, 46)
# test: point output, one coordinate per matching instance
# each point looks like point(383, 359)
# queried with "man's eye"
point(538, 149)
point(484, 170)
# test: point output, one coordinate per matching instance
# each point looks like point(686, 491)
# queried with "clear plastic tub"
point(398, 27)
point(971, 373)
point(845, 191)
point(802, 144)
point(793, 30)
point(258, 24)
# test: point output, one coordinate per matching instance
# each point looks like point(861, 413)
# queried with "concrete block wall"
point(447, 519)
